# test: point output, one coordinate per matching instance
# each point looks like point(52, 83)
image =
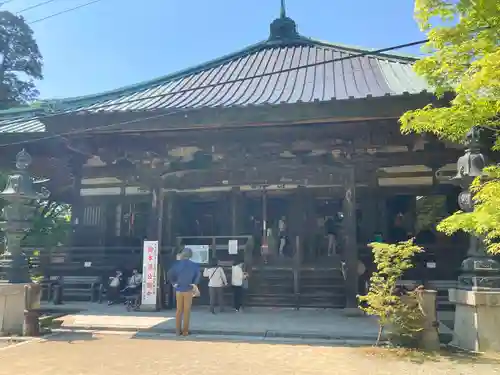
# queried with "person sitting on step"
point(114, 287)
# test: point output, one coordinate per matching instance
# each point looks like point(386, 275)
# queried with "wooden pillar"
point(382, 226)
point(351, 247)
point(264, 214)
point(154, 232)
point(170, 201)
point(371, 215)
point(77, 206)
point(297, 220)
point(235, 211)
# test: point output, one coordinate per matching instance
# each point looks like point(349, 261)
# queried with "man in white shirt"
point(216, 283)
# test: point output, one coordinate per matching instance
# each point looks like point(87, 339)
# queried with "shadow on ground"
point(420, 357)
point(252, 339)
point(70, 337)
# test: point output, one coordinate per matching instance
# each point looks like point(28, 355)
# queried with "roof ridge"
point(352, 48)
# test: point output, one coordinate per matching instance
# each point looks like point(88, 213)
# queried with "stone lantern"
point(478, 270)
point(477, 296)
point(20, 197)
point(18, 296)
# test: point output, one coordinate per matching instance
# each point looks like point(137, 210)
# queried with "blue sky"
point(115, 43)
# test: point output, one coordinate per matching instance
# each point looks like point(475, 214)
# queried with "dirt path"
point(117, 355)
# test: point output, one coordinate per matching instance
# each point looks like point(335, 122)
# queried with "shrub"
point(397, 310)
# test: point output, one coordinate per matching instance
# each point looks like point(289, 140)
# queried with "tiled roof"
point(21, 125)
point(230, 83)
point(266, 73)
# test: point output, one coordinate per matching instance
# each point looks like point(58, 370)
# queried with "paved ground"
point(82, 354)
point(254, 322)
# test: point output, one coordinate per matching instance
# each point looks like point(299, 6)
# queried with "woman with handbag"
point(216, 283)
point(239, 282)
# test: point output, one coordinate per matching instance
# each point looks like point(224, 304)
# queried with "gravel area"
point(87, 353)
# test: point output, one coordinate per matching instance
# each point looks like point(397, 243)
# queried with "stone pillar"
point(351, 246)
point(477, 325)
point(429, 339)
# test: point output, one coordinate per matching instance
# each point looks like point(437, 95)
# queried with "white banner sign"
point(201, 253)
point(149, 272)
point(232, 247)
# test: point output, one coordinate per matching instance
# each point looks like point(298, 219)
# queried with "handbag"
point(196, 291)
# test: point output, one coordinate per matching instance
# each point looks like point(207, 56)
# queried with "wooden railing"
point(106, 259)
point(95, 261)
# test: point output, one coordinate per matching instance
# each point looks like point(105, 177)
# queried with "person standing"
point(331, 235)
point(238, 281)
point(216, 283)
point(184, 276)
point(282, 235)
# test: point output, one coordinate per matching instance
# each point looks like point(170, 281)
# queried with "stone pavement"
point(261, 322)
point(82, 354)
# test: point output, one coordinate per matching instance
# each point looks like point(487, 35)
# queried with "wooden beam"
point(259, 116)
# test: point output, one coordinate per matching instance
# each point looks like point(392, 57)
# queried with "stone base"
point(477, 319)
point(149, 308)
point(11, 309)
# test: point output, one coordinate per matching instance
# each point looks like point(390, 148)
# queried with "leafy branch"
point(400, 312)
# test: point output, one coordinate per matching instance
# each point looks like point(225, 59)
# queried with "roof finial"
point(283, 28)
point(283, 9)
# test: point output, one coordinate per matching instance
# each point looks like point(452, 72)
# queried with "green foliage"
point(485, 220)
point(429, 211)
point(51, 225)
point(51, 222)
point(465, 60)
point(20, 58)
point(400, 313)
point(464, 43)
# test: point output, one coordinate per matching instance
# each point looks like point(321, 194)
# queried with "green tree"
point(50, 224)
point(464, 42)
point(400, 313)
point(20, 61)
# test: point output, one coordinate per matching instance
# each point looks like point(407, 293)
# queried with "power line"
point(64, 11)
point(81, 131)
point(35, 6)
